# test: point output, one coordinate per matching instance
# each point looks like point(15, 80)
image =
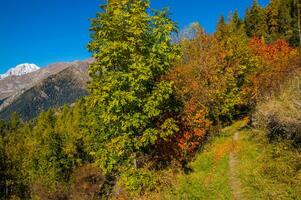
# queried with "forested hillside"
point(153, 124)
point(49, 87)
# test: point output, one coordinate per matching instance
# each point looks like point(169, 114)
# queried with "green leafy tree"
point(237, 64)
point(47, 165)
point(68, 125)
point(129, 108)
point(15, 151)
point(12, 181)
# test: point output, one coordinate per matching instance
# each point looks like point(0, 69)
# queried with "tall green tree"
point(12, 179)
point(15, 151)
point(272, 11)
point(283, 17)
point(221, 27)
point(285, 20)
point(298, 3)
point(295, 6)
point(235, 21)
point(47, 165)
point(129, 108)
point(2, 160)
point(256, 21)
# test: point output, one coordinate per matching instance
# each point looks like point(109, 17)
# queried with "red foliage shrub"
point(278, 62)
point(190, 140)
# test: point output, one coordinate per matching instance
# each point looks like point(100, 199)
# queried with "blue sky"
point(47, 31)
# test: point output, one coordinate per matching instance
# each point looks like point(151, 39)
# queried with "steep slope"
point(12, 85)
point(63, 87)
point(1, 101)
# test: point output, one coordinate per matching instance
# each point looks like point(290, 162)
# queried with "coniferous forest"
point(163, 105)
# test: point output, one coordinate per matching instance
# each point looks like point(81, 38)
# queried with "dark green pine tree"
point(221, 27)
point(298, 5)
point(130, 108)
point(235, 21)
point(295, 10)
point(285, 20)
point(3, 130)
point(256, 21)
point(272, 12)
point(247, 22)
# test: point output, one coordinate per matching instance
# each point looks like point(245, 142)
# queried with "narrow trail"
point(233, 162)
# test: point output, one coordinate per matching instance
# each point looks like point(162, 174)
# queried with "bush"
point(87, 183)
point(137, 182)
point(278, 62)
point(280, 114)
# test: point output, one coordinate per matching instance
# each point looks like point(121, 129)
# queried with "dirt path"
point(233, 162)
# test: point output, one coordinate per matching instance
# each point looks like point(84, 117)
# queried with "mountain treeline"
point(153, 103)
point(280, 19)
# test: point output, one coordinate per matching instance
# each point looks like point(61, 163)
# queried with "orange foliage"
point(277, 64)
point(197, 80)
point(214, 77)
point(277, 50)
point(190, 140)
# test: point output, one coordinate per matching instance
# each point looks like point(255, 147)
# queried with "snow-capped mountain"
point(50, 87)
point(20, 70)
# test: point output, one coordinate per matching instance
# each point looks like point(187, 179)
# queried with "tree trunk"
point(299, 21)
point(135, 161)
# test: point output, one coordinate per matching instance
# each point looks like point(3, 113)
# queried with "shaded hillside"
point(1, 101)
point(56, 90)
point(14, 84)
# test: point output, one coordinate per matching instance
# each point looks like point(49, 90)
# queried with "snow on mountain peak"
point(20, 70)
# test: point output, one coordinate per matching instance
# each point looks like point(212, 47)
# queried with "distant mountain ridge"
point(20, 70)
point(48, 87)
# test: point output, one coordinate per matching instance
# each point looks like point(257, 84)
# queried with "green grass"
point(266, 171)
point(210, 171)
point(207, 181)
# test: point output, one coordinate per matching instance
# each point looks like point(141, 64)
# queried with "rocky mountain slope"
point(52, 86)
point(11, 85)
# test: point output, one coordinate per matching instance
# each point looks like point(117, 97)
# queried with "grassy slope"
point(266, 171)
